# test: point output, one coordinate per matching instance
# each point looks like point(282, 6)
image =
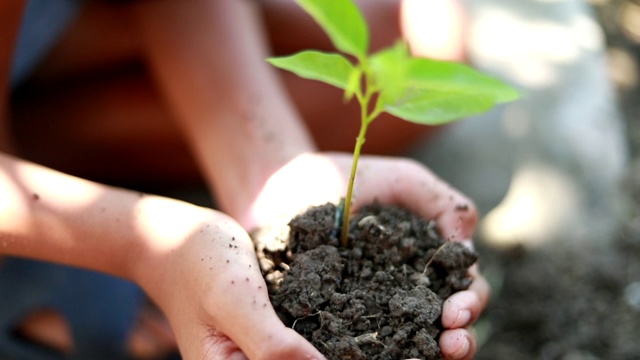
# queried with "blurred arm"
point(209, 59)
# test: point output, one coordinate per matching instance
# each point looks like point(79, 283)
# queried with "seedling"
point(418, 90)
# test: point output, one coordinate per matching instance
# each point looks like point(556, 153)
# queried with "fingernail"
point(464, 349)
point(463, 318)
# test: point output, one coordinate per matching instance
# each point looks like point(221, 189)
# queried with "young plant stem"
point(352, 177)
point(366, 119)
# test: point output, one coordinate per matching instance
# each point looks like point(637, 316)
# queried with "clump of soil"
point(378, 298)
point(567, 301)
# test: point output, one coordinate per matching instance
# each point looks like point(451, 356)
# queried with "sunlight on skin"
point(81, 194)
point(49, 189)
point(54, 190)
point(12, 206)
point(156, 219)
point(322, 176)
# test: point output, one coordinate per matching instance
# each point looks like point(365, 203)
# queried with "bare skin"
point(276, 152)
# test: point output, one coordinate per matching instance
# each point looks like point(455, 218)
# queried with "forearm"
point(48, 215)
point(209, 57)
point(51, 216)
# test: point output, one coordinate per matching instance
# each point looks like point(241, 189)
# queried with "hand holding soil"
point(318, 178)
point(221, 310)
point(313, 179)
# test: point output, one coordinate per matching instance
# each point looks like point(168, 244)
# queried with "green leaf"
point(436, 92)
point(389, 69)
point(458, 78)
point(333, 69)
point(436, 107)
point(343, 22)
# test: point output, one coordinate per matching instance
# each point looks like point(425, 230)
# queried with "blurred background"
point(556, 177)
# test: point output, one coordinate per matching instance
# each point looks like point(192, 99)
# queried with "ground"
point(577, 299)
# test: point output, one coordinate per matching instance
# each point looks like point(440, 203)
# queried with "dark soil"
point(379, 298)
point(573, 301)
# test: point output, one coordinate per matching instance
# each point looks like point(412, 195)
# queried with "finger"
point(218, 346)
point(463, 308)
point(432, 198)
point(409, 184)
point(267, 338)
point(458, 344)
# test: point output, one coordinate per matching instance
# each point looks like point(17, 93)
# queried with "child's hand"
point(202, 270)
point(314, 179)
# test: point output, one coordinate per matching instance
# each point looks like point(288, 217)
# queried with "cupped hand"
point(201, 269)
point(315, 179)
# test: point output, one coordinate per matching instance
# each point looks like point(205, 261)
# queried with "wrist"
point(307, 179)
point(186, 250)
point(163, 227)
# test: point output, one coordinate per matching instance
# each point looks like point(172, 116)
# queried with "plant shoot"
point(418, 90)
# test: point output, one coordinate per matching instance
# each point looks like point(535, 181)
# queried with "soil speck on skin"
point(35, 196)
point(374, 299)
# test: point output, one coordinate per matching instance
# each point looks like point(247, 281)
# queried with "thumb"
point(252, 324)
point(287, 344)
point(410, 184)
